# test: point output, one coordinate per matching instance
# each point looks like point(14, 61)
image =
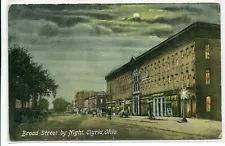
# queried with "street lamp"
point(184, 93)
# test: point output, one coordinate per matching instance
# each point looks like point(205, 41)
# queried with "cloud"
point(159, 32)
point(22, 12)
point(61, 18)
point(48, 30)
point(72, 7)
point(80, 44)
point(163, 20)
point(95, 15)
point(171, 21)
point(90, 29)
point(196, 8)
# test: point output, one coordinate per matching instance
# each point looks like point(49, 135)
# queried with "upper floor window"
point(207, 51)
point(193, 52)
point(144, 75)
point(208, 104)
point(207, 76)
point(101, 101)
point(182, 54)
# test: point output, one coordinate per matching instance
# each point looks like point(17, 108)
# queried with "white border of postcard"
point(4, 73)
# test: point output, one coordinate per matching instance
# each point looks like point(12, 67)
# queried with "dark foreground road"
point(77, 127)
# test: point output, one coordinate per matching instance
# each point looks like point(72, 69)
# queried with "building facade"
point(28, 104)
point(119, 89)
point(97, 101)
point(90, 99)
point(188, 60)
point(80, 98)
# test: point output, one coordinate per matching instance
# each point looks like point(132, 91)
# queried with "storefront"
point(160, 106)
point(144, 106)
point(111, 106)
point(136, 105)
point(127, 106)
point(190, 106)
point(171, 105)
point(164, 105)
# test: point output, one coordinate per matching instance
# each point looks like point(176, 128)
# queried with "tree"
point(60, 104)
point(26, 78)
point(43, 104)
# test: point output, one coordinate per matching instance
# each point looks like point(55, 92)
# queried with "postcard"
point(115, 71)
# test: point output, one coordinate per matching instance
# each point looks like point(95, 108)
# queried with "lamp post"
point(183, 97)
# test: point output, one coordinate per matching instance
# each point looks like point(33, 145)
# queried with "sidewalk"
point(199, 127)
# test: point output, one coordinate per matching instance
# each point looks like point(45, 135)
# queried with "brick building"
point(153, 81)
point(80, 97)
point(28, 104)
point(90, 99)
point(98, 100)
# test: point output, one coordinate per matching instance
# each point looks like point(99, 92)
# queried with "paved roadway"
point(77, 127)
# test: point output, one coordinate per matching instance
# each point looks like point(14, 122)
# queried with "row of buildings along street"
point(152, 82)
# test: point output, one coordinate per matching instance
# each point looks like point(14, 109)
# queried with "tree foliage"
point(60, 104)
point(43, 104)
point(27, 77)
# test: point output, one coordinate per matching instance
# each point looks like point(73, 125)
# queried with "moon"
point(136, 15)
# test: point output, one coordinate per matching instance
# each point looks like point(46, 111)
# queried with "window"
point(208, 104)
point(101, 100)
point(207, 49)
point(193, 52)
point(182, 54)
point(177, 63)
point(207, 76)
point(144, 75)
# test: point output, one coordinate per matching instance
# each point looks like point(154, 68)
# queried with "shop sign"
point(158, 94)
point(127, 102)
point(168, 98)
point(173, 97)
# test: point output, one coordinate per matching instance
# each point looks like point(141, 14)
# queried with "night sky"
point(80, 44)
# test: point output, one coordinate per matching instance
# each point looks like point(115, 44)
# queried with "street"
point(86, 127)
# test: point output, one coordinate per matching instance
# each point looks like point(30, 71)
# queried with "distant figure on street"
point(109, 113)
point(93, 113)
point(150, 115)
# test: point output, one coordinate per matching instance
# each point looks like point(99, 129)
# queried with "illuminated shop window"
point(208, 104)
point(207, 76)
point(207, 49)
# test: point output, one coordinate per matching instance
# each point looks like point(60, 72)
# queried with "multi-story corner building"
point(119, 87)
point(97, 100)
point(189, 59)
